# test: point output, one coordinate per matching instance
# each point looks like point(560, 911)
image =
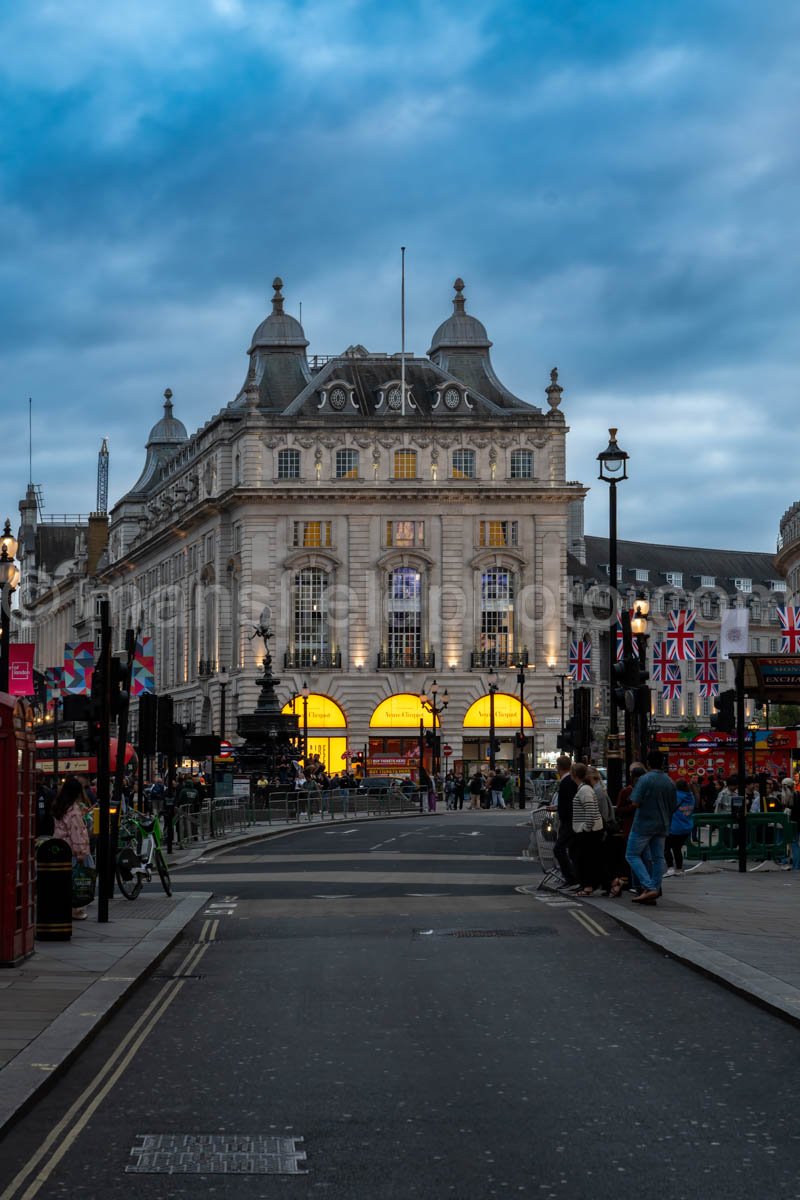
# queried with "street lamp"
point(435, 706)
point(639, 631)
point(521, 734)
point(561, 691)
point(305, 693)
point(223, 687)
point(492, 678)
point(613, 470)
point(9, 578)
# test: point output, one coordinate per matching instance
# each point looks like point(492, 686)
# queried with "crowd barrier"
point(333, 804)
point(202, 824)
point(716, 836)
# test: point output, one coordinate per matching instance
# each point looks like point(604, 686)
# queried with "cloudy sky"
point(616, 182)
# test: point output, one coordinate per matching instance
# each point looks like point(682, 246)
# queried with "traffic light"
point(582, 704)
point(520, 741)
point(630, 676)
point(164, 725)
point(569, 740)
point(724, 720)
point(148, 723)
point(433, 741)
point(119, 686)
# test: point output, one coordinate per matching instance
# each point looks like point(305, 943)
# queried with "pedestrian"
point(625, 812)
point(496, 785)
point(722, 804)
point(654, 799)
point(790, 801)
point(679, 829)
point(567, 787)
point(450, 791)
point(69, 824)
point(587, 826)
point(475, 789)
point(458, 795)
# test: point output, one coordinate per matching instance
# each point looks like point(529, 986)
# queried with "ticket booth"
point(17, 831)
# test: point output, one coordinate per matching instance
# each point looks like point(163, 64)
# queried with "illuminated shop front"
point(322, 717)
point(394, 735)
point(477, 727)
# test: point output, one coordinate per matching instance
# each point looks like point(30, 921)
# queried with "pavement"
point(737, 929)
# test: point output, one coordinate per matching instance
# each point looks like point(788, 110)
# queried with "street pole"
point(223, 687)
point(56, 703)
point(492, 677)
point(741, 763)
point(521, 682)
point(613, 469)
point(305, 694)
point(104, 864)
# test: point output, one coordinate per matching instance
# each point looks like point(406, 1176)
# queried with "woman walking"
point(679, 829)
point(70, 826)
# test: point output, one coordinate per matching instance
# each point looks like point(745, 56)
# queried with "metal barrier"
point(334, 803)
point(545, 830)
point(198, 825)
point(716, 836)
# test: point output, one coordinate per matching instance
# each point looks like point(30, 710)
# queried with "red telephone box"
point(17, 831)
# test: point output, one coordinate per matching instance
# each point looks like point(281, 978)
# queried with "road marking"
point(317, 896)
point(64, 1134)
point(589, 923)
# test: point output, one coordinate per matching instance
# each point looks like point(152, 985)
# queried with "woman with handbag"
point(69, 825)
point(587, 825)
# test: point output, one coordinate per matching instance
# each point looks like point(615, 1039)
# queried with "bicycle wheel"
point(163, 873)
point(130, 883)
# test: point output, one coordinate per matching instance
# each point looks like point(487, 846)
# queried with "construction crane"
point(102, 478)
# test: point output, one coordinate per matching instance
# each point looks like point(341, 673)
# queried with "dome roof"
point(279, 330)
point(169, 429)
point(460, 331)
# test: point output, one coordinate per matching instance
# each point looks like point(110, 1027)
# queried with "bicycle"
point(140, 847)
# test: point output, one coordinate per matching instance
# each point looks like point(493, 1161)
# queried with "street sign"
point(447, 751)
point(225, 750)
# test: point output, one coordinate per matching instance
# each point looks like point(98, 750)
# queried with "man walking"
point(655, 800)
point(567, 787)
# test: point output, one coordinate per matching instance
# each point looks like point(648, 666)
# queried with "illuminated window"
point(497, 616)
point(404, 617)
point(405, 533)
point(312, 533)
point(310, 616)
point(405, 464)
point(347, 464)
point(522, 464)
point(288, 464)
point(463, 464)
point(498, 533)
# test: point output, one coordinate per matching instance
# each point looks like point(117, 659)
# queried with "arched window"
point(237, 469)
point(311, 633)
point(497, 617)
point(404, 618)
point(236, 623)
point(210, 624)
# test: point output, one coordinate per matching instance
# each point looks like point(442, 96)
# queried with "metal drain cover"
point(484, 933)
point(217, 1154)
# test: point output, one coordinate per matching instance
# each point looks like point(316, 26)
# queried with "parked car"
point(380, 783)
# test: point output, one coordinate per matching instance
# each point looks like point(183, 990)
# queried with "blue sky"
point(617, 183)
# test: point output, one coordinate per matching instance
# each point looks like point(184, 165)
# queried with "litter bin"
point(53, 891)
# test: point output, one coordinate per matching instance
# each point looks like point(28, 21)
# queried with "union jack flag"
point(621, 643)
point(789, 617)
point(708, 689)
point(671, 684)
point(580, 660)
point(705, 661)
point(680, 635)
point(660, 662)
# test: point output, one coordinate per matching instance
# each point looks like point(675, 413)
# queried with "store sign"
point(401, 711)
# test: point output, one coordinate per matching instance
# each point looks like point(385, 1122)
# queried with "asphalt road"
point(383, 993)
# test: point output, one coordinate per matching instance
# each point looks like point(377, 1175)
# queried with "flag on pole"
point(709, 689)
point(20, 669)
point(734, 628)
point(54, 683)
point(705, 661)
point(789, 617)
point(580, 660)
point(78, 668)
point(143, 678)
point(671, 685)
point(621, 643)
point(660, 661)
point(680, 635)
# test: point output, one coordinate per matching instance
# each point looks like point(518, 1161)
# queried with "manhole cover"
point(217, 1154)
point(484, 933)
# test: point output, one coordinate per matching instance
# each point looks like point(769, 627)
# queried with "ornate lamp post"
point(492, 679)
point(9, 578)
point(613, 470)
point(223, 687)
point(435, 707)
point(305, 693)
point(521, 734)
point(561, 691)
point(639, 631)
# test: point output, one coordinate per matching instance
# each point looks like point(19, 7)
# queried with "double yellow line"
point(594, 927)
point(43, 1161)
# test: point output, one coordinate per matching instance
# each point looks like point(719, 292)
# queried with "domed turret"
point(460, 331)
point(165, 437)
point(279, 331)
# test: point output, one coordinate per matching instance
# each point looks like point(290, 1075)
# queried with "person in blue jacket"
point(680, 828)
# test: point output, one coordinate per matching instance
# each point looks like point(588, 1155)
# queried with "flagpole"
point(402, 331)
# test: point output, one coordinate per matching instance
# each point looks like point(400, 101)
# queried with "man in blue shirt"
point(655, 800)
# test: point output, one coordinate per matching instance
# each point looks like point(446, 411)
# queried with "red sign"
point(225, 750)
point(447, 751)
point(20, 668)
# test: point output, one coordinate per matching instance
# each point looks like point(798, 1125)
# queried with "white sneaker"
point(670, 871)
point(678, 871)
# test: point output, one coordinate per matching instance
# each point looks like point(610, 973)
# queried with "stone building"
point(403, 520)
point(788, 556)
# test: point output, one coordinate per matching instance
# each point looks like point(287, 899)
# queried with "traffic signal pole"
point(740, 764)
point(103, 669)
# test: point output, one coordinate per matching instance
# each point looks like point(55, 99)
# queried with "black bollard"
point(53, 891)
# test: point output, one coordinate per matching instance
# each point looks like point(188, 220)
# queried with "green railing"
point(716, 836)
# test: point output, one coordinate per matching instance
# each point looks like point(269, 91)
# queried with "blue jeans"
point(645, 856)
point(796, 853)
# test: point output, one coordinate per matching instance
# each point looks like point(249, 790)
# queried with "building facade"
point(399, 521)
point(787, 560)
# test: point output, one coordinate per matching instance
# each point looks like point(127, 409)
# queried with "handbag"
point(83, 885)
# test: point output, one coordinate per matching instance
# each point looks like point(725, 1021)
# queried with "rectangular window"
point(288, 464)
point(773, 645)
point(743, 585)
point(522, 464)
point(659, 705)
point(405, 533)
point(405, 464)
point(347, 464)
point(708, 581)
point(658, 604)
point(642, 575)
point(777, 585)
point(755, 645)
point(463, 464)
point(312, 533)
point(755, 611)
point(193, 558)
point(675, 578)
point(237, 537)
point(705, 606)
point(706, 706)
point(209, 547)
point(498, 533)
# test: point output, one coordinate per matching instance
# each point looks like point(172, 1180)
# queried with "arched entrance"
point(477, 726)
point(323, 718)
point(394, 738)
